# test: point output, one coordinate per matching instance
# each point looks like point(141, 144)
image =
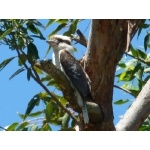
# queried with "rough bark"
point(106, 46)
point(137, 112)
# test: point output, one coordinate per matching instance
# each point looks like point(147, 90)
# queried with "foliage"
point(19, 35)
point(132, 73)
point(146, 125)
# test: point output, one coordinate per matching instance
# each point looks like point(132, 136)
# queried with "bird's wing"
point(75, 73)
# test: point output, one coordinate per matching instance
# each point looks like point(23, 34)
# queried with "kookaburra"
point(63, 58)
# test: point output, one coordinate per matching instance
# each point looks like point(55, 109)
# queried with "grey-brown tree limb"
point(47, 66)
point(137, 112)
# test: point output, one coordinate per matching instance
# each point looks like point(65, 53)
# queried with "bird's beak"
point(51, 42)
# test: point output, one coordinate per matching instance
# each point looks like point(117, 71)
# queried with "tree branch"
point(47, 66)
point(80, 38)
point(125, 90)
point(137, 112)
point(147, 63)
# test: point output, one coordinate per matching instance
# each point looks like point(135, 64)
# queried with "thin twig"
point(3, 128)
point(138, 59)
point(125, 90)
point(80, 38)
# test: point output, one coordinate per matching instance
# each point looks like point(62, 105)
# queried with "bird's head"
point(60, 42)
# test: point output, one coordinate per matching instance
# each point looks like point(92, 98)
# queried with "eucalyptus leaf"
point(22, 126)
point(17, 72)
point(32, 103)
point(5, 33)
point(49, 111)
point(5, 63)
point(12, 126)
point(120, 102)
point(146, 41)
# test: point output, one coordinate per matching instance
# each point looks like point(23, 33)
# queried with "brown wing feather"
point(75, 73)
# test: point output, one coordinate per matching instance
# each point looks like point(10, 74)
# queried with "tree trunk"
point(107, 44)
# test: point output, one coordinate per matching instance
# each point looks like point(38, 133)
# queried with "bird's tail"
point(82, 105)
point(85, 114)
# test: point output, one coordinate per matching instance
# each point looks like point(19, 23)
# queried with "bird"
point(64, 60)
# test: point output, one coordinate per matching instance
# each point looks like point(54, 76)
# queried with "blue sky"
point(16, 93)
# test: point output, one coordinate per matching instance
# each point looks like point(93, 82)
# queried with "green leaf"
point(45, 97)
point(133, 51)
point(41, 35)
point(49, 111)
point(140, 84)
point(60, 21)
point(35, 114)
point(139, 73)
point(22, 126)
point(63, 100)
point(5, 63)
point(139, 32)
point(22, 59)
point(50, 22)
point(146, 41)
point(17, 72)
point(21, 44)
point(145, 26)
point(29, 72)
point(122, 76)
point(39, 71)
point(21, 115)
point(148, 45)
point(37, 36)
point(141, 54)
point(48, 50)
point(47, 78)
point(5, 33)
point(135, 92)
point(33, 102)
point(32, 28)
point(58, 29)
point(65, 121)
point(51, 82)
point(34, 21)
point(137, 67)
point(46, 127)
point(38, 23)
point(144, 128)
point(12, 126)
point(75, 50)
point(32, 51)
point(122, 65)
point(120, 102)
point(140, 28)
point(72, 28)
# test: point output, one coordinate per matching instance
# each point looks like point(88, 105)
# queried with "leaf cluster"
point(19, 36)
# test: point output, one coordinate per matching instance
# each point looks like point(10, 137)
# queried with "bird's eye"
point(59, 40)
